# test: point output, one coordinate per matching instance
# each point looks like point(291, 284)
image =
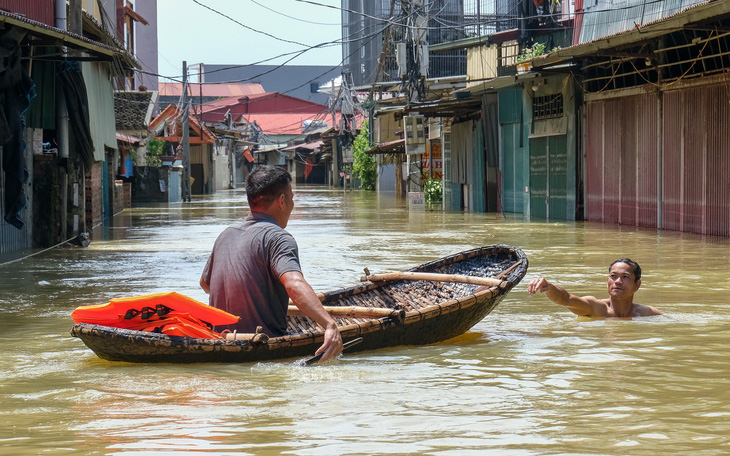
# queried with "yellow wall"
point(386, 128)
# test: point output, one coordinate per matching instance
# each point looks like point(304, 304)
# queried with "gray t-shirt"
point(243, 273)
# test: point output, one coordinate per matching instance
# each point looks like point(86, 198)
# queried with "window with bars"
point(547, 107)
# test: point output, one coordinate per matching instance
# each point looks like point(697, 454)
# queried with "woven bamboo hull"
point(434, 312)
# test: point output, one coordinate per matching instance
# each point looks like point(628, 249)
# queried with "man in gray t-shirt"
point(243, 271)
point(254, 267)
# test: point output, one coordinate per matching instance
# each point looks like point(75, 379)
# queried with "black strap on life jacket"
point(148, 312)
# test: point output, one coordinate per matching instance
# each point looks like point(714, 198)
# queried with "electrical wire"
point(343, 41)
point(246, 26)
point(385, 21)
point(294, 53)
point(291, 17)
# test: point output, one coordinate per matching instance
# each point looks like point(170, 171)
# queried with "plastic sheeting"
point(77, 103)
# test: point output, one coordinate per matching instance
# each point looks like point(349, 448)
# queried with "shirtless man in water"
point(624, 279)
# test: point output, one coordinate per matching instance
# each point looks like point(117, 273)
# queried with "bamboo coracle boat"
point(430, 303)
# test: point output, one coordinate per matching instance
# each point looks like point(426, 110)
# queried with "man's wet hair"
point(265, 184)
point(635, 268)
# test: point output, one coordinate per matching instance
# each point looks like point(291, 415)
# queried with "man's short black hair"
point(635, 268)
point(265, 184)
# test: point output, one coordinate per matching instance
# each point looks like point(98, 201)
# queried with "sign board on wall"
point(416, 201)
point(433, 165)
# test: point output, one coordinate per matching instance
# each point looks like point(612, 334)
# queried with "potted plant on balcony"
point(524, 63)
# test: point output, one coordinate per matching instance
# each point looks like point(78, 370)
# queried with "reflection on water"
point(531, 379)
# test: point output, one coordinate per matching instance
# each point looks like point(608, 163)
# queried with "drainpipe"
point(60, 9)
point(660, 161)
point(62, 123)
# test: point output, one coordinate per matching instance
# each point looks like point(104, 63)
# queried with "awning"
point(129, 139)
point(447, 108)
point(391, 147)
point(48, 35)
point(312, 146)
point(500, 82)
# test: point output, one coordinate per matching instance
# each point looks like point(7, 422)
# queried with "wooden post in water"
point(185, 136)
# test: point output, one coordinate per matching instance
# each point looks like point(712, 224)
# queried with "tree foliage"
point(364, 166)
point(154, 150)
point(536, 50)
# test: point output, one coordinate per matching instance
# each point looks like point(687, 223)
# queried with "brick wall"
point(94, 196)
point(47, 200)
point(127, 195)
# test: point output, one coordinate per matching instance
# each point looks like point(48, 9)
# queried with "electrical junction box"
point(414, 127)
point(401, 58)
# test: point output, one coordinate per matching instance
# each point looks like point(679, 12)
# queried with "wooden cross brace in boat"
point(354, 312)
point(434, 277)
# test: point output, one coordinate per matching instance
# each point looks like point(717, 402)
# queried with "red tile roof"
point(212, 89)
point(281, 123)
point(198, 134)
point(275, 113)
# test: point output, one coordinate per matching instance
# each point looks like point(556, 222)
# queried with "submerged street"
point(530, 379)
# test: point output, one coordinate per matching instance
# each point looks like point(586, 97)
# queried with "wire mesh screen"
point(365, 22)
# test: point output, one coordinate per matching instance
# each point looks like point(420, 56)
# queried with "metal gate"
point(548, 177)
point(513, 177)
point(513, 159)
point(621, 160)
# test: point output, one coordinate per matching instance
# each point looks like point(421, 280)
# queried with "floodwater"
point(530, 379)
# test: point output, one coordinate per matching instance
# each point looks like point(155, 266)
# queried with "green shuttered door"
point(548, 177)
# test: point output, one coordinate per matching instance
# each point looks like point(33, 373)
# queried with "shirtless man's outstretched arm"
point(624, 280)
point(585, 306)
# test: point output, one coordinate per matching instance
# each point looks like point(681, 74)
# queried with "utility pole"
point(413, 53)
point(336, 151)
point(383, 52)
point(412, 56)
point(185, 136)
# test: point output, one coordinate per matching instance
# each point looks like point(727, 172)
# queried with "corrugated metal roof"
point(312, 146)
point(63, 37)
point(609, 18)
point(279, 123)
point(397, 146)
point(37, 10)
point(211, 89)
point(232, 101)
point(690, 15)
point(100, 93)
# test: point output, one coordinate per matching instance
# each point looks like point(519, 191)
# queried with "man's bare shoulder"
point(598, 307)
point(641, 310)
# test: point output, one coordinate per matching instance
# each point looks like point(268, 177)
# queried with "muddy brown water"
point(530, 379)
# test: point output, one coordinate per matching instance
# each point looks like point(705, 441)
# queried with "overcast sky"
point(189, 31)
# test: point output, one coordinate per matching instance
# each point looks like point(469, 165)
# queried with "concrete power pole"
point(62, 121)
point(185, 136)
point(412, 58)
point(413, 53)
